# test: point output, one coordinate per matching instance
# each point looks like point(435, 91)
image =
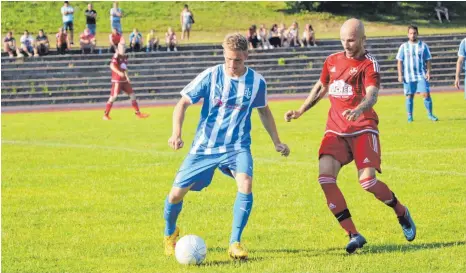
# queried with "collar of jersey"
point(240, 78)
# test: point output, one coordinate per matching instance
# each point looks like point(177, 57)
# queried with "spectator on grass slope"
point(135, 40)
point(283, 34)
point(63, 41)
point(114, 39)
point(115, 17)
point(27, 45)
point(187, 21)
point(293, 35)
point(9, 44)
point(253, 41)
point(309, 38)
point(67, 11)
point(262, 35)
point(439, 9)
point(42, 43)
point(170, 39)
point(274, 37)
point(91, 16)
point(152, 42)
point(87, 41)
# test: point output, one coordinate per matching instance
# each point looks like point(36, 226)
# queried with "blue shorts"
point(117, 26)
point(68, 25)
point(411, 88)
point(92, 28)
point(199, 169)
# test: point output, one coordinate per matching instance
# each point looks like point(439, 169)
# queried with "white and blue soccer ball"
point(190, 249)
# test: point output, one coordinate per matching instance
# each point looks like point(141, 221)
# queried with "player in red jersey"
point(351, 78)
point(120, 81)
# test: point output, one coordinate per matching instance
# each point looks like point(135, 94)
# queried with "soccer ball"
point(190, 249)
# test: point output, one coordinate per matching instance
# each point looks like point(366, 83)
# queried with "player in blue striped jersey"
point(414, 67)
point(460, 66)
point(230, 92)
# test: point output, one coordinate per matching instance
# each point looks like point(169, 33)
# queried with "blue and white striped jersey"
point(462, 51)
point(414, 57)
point(225, 122)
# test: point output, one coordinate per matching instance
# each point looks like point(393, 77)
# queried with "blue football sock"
point(409, 105)
point(241, 212)
point(170, 214)
point(428, 105)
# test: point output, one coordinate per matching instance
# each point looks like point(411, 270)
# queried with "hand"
point(428, 76)
point(292, 114)
point(457, 84)
point(400, 79)
point(352, 114)
point(282, 148)
point(175, 142)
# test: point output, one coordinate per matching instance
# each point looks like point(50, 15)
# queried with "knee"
point(368, 183)
point(426, 95)
point(112, 98)
point(175, 197)
point(245, 185)
point(132, 96)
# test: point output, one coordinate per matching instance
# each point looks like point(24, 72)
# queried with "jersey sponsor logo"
point(219, 103)
point(123, 66)
point(340, 88)
point(248, 93)
point(353, 71)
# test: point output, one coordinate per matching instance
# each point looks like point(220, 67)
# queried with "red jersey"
point(115, 38)
point(86, 37)
point(121, 63)
point(347, 80)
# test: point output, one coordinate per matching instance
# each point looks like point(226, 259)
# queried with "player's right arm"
point(175, 141)
point(459, 63)
point(115, 69)
point(316, 94)
point(400, 57)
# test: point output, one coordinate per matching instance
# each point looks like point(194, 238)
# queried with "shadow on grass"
point(231, 262)
point(408, 247)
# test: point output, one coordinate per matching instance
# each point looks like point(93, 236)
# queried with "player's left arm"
point(269, 124)
point(126, 75)
point(372, 93)
point(428, 57)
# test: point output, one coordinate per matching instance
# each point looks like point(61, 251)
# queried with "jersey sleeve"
point(426, 54)
point(401, 53)
point(260, 100)
point(462, 49)
point(324, 75)
point(372, 75)
point(199, 87)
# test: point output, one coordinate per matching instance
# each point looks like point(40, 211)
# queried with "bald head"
point(353, 26)
point(352, 36)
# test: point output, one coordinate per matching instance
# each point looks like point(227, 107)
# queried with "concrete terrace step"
point(181, 81)
point(150, 58)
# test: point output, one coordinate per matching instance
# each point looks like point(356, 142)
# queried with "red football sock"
point(108, 107)
point(336, 203)
point(134, 103)
point(383, 193)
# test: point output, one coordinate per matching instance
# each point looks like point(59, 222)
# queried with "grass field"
point(215, 19)
point(83, 195)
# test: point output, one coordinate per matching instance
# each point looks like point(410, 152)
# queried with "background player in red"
point(352, 79)
point(120, 81)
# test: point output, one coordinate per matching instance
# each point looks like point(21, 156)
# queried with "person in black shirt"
point(42, 43)
point(91, 15)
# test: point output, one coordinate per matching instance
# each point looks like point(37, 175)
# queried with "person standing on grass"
point(352, 80)
point(91, 16)
point(67, 11)
point(230, 92)
point(459, 66)
point(414, 67)
point(187, 21)
point(115, 17)
point(120, 81)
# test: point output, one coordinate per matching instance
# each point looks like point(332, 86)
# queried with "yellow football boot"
point(237, 252)
point(169, 242)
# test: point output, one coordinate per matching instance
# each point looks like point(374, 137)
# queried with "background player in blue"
point(414, 67)
point(459, 66)
point(230, 92)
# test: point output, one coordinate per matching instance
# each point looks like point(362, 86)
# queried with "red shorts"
point(118, 86)
point(364, 149)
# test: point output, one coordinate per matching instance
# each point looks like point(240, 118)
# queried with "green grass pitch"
point(83, 195)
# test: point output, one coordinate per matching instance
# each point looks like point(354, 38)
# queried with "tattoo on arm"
point(317, 93)
point(370, 99)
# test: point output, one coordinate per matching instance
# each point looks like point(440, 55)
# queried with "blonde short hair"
point(236, 42)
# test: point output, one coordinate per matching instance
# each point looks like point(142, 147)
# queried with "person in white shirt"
point(27, 42)
point(67, 11)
